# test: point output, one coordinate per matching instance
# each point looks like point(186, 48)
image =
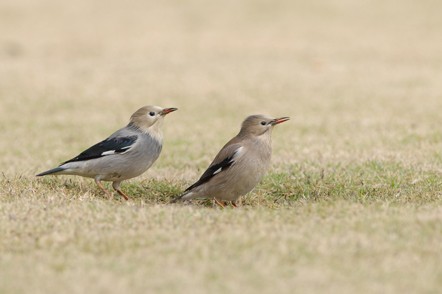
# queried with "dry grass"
point(353, 202)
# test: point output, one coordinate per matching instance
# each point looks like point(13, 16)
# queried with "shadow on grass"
point(371, 181)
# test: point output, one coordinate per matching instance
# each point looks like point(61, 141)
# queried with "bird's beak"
point(168, 110)
point(279, 120)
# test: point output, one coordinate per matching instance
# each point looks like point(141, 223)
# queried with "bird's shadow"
point(150, 191)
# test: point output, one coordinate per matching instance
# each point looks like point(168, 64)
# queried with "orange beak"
point(168, 110)
point(279, 120)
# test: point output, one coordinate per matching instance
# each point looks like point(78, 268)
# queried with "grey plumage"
point(240, 164)
point(125, 154)
point(51, 171)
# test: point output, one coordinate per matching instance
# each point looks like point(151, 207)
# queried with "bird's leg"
point(219, 203)
point(116, 186)
point(100, 185)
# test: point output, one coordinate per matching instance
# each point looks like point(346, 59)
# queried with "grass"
point(352, 202)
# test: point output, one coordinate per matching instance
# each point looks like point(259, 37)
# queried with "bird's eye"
point(152, 113)
point(263, 123)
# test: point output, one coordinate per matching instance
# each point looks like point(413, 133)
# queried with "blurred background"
point(352, 201)
point(360, 79)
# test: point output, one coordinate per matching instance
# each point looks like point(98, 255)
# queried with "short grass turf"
point(353, 200)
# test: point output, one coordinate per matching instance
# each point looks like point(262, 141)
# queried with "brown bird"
point(239, 165)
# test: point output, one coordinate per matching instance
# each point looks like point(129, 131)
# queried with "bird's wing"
point(225, 159)
point(112, 145)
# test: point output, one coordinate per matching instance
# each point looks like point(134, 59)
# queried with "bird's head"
point(260, 124)
point(149, 116)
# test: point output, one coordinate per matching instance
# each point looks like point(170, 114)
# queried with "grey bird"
point(125, 154)
point(239, 165)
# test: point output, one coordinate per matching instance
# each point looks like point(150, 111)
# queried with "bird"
point(240, 164)
point(125, 154)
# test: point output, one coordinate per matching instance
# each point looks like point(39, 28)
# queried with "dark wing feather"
point(212, 171)
point(224, 160)
point(109, 146)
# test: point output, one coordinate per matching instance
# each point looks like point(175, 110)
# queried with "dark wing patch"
point(212, 171)
point(107, 147)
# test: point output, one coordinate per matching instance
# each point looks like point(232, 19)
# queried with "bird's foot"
point(116, 186)
point(220, 203)
point(123, 194)
point(106, 192)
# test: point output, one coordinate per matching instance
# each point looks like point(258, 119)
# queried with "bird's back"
point(250, 166)
point(120, 166)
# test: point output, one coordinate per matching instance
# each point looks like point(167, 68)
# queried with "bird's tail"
point(51, 171)
point(177, 198)
point(180, 197)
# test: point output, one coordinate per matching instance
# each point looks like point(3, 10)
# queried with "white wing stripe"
point(110, 152)
point(217, 171)
point(238, 153)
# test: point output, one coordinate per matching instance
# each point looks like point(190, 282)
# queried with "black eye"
point(263, 123)
point(152, 113)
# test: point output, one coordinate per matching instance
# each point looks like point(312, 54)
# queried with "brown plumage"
point(240, 164)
